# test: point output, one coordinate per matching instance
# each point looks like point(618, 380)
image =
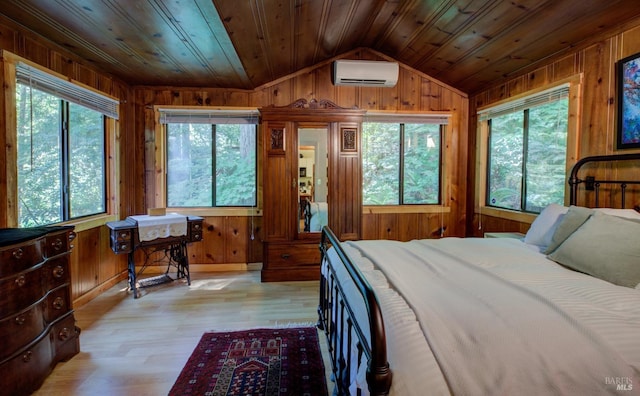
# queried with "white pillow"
point(626, 213)
point(544, 226)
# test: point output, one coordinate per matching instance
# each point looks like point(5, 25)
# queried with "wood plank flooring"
point(139, 346)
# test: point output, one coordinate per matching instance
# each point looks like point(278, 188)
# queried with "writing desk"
point(125, 239)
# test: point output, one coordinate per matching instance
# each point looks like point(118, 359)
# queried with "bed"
point(557, 312)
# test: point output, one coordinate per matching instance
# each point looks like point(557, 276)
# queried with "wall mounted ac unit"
point(365, 73)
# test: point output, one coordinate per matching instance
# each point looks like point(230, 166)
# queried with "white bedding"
point(560, 331)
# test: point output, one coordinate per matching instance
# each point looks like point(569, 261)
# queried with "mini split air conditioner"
point(365, 73)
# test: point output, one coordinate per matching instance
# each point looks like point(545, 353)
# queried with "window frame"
point(214, 184)
point(401, 163)
point(443, 118)
point(9, 218)
point(160, 180)
point(575, 84)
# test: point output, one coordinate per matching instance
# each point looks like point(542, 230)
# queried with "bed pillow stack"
point(602, 245)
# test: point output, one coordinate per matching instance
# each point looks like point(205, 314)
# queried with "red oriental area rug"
point(260, 362)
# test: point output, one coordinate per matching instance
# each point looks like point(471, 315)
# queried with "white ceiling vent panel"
point(365, 73)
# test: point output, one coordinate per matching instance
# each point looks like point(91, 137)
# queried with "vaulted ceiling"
point(247, 43)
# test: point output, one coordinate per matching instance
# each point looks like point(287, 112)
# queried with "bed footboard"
point(344, 293)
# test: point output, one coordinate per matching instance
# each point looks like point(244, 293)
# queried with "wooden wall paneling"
point(430, 95)
point(388, 226)
point(303, 86)
point(629, 42)
point(350, 97)
point(236, 240)
point(388, 98)
point(214, 238)
point(255, 247)
point(281, 94)
point(151, 157)
point(458, 195)
point(8, 144)
point(409, 226)
point(369, 98)
point(599, 115)
point(430, 224)
point(369, 226)
point(324, 88)
point(84, 271)
point(408, 91)
point(109, 264)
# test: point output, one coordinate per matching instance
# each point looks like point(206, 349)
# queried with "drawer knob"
point(196, 226)
point(27, 356)
point(18, 253)
point(20, 281)
point(124, 235)
point(64, 334)
point(123, 246)
point(58, 303)
point(285, 255)
point(20, 320)
point(57, 244)
point(58, 271)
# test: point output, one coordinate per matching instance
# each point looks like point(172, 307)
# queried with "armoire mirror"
point(313, 211)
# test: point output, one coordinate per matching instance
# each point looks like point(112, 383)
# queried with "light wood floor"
point(139, 346)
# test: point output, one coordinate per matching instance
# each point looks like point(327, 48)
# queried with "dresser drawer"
point(65, 337)
point(58, 243)
point(25, 371)
point(292, 255)
point(57, 272)
point(19, 329)
point(20, 291)
point(58, 303)
point(19, 258)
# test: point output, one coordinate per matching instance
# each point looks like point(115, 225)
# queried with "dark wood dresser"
point(37, 326)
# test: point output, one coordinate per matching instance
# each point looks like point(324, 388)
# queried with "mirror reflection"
point(312, 180)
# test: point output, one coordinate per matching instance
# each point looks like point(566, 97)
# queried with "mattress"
point(605, 317)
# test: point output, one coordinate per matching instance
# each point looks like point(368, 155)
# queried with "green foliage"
point(544, 157)
point(381, 163)
point(191, 173)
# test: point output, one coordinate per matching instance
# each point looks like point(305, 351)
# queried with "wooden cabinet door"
point(345, 181)
point(277, 181)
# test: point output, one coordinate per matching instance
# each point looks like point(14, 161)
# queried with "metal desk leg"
point(180, 257)
point(132, 274)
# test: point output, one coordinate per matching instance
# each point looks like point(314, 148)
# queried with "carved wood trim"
point(276, 140)
point(348, 140)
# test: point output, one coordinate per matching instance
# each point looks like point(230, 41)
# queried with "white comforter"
point(494, 317)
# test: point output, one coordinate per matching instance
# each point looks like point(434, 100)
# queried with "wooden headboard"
point(591, 183)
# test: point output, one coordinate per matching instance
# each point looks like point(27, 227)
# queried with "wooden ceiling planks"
point(467, 44)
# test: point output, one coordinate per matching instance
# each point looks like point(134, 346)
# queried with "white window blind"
point(208, 116)
point(547, 96)
point(441, 119)
point(43, 81)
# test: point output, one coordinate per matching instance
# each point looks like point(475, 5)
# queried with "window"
point(61, 150)
point(527, 151)
point(401, 162)
point(211, 158)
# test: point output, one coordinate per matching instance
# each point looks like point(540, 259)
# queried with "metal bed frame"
point(335, 312)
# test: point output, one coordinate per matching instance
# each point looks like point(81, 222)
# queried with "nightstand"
point(514, 235)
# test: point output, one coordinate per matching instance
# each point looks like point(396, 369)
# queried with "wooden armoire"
point(291, 252)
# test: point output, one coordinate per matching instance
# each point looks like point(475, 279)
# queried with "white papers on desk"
point(153, 227)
